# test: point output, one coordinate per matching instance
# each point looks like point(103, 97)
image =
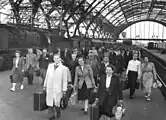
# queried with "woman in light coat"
point(55, 85)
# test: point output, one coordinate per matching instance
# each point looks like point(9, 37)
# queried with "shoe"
point(12, 90)
point(131, 97)
point(52, 118)
point(58, 115)
point(85, 112)
point(82, 109)
point(148, 99)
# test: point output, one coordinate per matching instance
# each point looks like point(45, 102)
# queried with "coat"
point(85, 75)
point(108, 99)
point(20, 65)
point(95, 67)
point(55, 83)
point(17, 73)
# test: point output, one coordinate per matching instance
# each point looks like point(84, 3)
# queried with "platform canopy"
point(91, 18)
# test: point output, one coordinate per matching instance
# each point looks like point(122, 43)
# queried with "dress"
point(147, 75)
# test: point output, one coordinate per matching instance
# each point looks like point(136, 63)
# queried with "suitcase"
point(40, 101)
point(124, 85)
point(92, 97)
point(94, 112)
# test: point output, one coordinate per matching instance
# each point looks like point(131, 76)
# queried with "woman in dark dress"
point(84, 81)
point(17, 71)
point(109, 92)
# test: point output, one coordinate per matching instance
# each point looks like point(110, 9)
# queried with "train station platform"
point(158, 54)
point(19, 105)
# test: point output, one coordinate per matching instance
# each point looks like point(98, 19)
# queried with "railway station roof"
point(106, 15)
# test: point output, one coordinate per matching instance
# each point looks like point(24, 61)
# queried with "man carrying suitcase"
point(55, 85)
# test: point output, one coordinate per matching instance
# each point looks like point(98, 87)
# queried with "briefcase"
point(94, 112)
point(40, 101)
point(11, 78)
point(125, 85)
point(137, 85)
point(93, 96)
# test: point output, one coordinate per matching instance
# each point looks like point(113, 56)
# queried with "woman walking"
point(17, 71)
point(148, 77)
point(109, 92)
point(84, 82)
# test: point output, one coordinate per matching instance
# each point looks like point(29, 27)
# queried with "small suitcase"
point(40, 101)
point(93, 96)
point(94, 112)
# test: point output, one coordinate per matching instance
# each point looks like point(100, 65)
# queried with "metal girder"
point(151, 8)
point(122, 10)
point(76, 8)
point(160, 12)
point(97, 14)
point(15, 9)
point(82, 18)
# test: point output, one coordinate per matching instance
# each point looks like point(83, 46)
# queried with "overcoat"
point(84, 75)
point(17, 74)
point(55, 83)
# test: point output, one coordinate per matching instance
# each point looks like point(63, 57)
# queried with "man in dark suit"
point(43, 64)
point(109, 92)
point(104, 65)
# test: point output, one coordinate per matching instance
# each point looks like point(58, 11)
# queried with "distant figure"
point(17, 71)
point(31, 65)
point(133, 73)
point(148, 77)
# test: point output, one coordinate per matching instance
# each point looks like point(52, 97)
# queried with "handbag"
point(137, 84)
point(74, 98)
point(93, 96)
point(37, 72)
point(119, 111)
point(125, 84)
point(11, 78)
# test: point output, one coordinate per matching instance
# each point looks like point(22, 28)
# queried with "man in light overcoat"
point(55, 85)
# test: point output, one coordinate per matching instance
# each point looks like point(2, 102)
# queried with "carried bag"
point(119, 111)
point(94, 112)
point(40, 101)
point(125, 84)
point(11, 78)
point(74, 98)
point(37, 72)
point(137, 84)
point(93, 96)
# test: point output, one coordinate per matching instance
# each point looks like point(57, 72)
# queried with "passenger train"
point(21, 37)
point(161, 46)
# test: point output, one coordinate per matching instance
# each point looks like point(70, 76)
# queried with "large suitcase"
point(40, 101)
point(94, 112)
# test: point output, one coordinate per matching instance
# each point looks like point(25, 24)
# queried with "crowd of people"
point(98, 68)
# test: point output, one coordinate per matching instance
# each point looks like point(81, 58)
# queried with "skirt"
point(17, 76)
point(84, 92)
point(107, 106)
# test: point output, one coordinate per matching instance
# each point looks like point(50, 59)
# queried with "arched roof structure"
point(105, 17)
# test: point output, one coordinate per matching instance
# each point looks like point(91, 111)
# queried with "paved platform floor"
point(19, 105)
